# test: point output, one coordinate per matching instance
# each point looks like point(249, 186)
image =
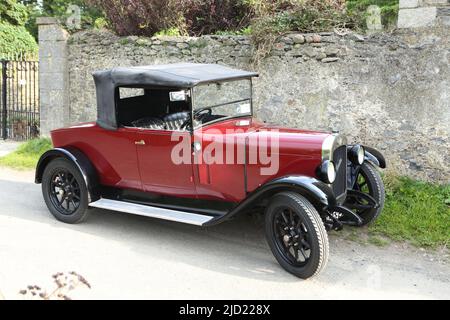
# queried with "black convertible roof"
point(185, 75)
point(178, 75)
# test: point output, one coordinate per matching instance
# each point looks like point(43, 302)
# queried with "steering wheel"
point(198, 114)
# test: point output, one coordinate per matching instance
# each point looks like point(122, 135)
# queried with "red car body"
point(122, 164)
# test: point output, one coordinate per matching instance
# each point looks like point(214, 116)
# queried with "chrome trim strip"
point(327, 147)
point(152, 212)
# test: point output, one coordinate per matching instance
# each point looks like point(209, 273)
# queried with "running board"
point(153, 212)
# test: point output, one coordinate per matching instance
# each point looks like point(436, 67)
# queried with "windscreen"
point(222, 100)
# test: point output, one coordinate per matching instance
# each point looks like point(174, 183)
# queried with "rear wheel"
point(65, 191)
point(296, 235)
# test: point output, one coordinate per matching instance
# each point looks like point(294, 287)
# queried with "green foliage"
point(276, 17)
point(30, 25)
point(389, 11)
point(192, 17)
point(59, 8)
point(415, 211)
point(243, 31)
point(13, 12)
point(15, 39)
point(169, 32)
point(27, 155)
point(100, 23)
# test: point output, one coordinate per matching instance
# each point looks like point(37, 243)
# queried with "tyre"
point(296, 235)
point(64, 190)
point(368, 181)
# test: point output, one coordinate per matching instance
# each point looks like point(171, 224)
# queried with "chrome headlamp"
point(356, 154)
point(327, 172)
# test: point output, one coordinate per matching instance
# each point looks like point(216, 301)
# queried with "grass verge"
point(415, 211)
point(27, 154)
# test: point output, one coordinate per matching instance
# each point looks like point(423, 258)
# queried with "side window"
point(130, 92)
point(153, 108)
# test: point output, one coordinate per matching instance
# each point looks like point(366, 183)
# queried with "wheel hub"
point(286, 238)
point(293, 237)
point(65, 192)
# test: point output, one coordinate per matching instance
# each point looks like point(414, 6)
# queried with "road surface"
point(7, 147)
point(130, 257)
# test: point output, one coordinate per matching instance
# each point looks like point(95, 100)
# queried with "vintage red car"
point(179, 142)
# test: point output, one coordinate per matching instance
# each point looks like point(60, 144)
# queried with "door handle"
point(140, 143)
point(197, 146)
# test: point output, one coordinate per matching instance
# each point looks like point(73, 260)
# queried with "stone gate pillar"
point(53, 77)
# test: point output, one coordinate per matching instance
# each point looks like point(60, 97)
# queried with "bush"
point(275, 17)
point(140, 17)
point(211, 16)
point(193, 17)
point(278, 16)
point(15, 39)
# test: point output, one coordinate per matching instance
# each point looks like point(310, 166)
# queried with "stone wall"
point(423, 13)
point(390, 91)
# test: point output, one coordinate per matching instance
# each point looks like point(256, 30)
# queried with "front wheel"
point(64, 190)
point(296, 235)
point(367, 181)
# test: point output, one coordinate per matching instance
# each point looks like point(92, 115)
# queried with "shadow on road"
point(236, 247)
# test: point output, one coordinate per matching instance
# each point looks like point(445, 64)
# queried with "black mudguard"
point(375, 157)
point(317, 192)
point(79, 159)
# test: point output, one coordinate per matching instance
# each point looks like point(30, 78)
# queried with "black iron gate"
point(19, 99)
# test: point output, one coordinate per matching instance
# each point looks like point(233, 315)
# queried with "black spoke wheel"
point(296, 235)
point(64, 191)
point(292, 236)
point(367, 181)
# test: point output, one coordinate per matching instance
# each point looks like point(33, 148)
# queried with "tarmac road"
point(130, 257)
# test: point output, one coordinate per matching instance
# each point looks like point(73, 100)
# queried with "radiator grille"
point(340, 161)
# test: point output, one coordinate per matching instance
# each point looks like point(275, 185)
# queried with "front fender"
point(375, 157)
point(317, 192)
point(79, 159)
point(314, 190)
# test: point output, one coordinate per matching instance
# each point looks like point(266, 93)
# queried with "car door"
point(220, 164)
point(159, 164)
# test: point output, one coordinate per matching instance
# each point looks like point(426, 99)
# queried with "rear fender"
point(80, 160)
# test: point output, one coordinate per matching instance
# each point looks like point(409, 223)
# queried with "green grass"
point(415, 211)
point(27, 154)
point(377, 241)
